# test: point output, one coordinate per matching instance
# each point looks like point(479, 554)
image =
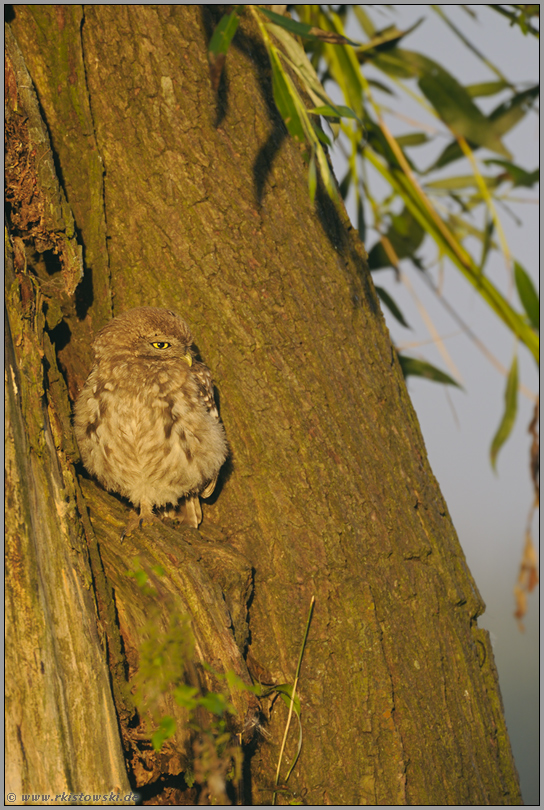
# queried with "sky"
point(489, 510)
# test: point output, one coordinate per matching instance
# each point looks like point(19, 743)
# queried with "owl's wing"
point(205, 387)
point(205, 390)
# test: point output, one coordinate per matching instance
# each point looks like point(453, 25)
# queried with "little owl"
point(146, 421)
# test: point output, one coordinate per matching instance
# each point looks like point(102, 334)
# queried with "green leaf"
point(294, 27)
point(456, 108)
point(297, 58)
point(486, 88)
point(138, 573)
point(510, 410)
point(412, 139)
point(361, 223)
point(345, 185)
point(167, 729)
point(394, 65)
point(507, 114)
point(216, 703)
point(158, 570)
point(384, 40)
point(420, 368)
point(378, 258)
point(380, 86)
point(364, 20)
point(223, 34)
point(462, 181)
point(219, 45)
point(518, 176)
point(503, 118)
point(236, 683)
point(304, 30)
point(449, 154)
point(344, 67)
point(322, 136)
point(527, 295)
point(284, 96)
point(185, 696)
point(487, 241)
point(285, 691)
point(339, 111)
point(405, 234)
point(462, 260)
point(521, 16)
point(384, 296)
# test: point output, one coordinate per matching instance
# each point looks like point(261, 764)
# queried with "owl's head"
point(146, 332)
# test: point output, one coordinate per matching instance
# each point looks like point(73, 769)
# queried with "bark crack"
point(84, 60)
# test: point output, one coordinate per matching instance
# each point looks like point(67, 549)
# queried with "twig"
point(293, 693)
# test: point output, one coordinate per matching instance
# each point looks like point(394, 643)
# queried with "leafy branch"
point(341, 59)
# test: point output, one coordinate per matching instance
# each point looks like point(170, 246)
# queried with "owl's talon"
point(134, 522)
point(189, 511)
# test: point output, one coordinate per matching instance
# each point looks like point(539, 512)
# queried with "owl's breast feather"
point(153, 443)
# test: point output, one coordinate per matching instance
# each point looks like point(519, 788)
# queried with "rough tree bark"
point(198, 202)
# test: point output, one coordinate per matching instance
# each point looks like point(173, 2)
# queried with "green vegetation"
point(314, 51)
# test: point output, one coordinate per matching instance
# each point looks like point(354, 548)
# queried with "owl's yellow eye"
point(160, 344)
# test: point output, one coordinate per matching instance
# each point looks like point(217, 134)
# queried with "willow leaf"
point(391, 305)
point(412, 139)
point(510, 112)
point(167, 729)
point(384, 39)
point(420, 368)
point(219, 45)
point(285, 97)
point(527, 295)
point(516, 175)
point(297, 58)
point(344, 66)
point(456, 108)
point(461, 181)
point(223, 34)
point(503, 118)
point(486, 88)
point(509, 415)
point(306, 31)
point(462, 260)
point(337, 111)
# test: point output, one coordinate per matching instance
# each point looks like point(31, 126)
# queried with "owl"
point(146, 421)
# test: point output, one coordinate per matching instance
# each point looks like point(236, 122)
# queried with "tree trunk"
point(197, 202)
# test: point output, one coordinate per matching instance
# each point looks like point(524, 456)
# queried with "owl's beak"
point(188, 359)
